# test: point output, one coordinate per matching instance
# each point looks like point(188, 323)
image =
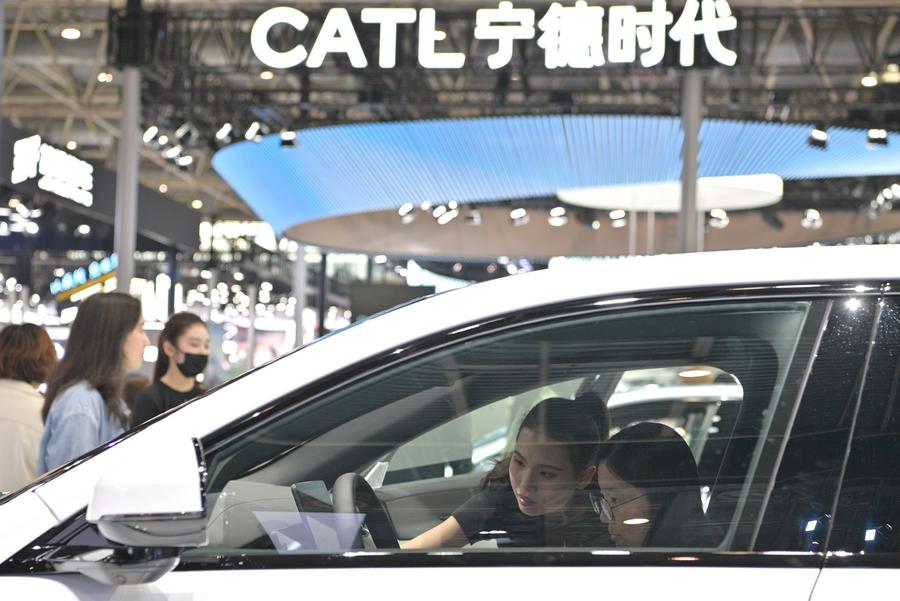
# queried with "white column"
point(253, 293)
point(691, 108)
point(299, 291)
point(127, 176)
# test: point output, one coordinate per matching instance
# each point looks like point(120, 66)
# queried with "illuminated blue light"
point(359, 168)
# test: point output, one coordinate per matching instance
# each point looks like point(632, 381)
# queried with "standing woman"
point(84, 406)
point(183, 355)
point(27, 357)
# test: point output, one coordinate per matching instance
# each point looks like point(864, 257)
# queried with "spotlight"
point(197, 204)
point(812, 219)
point(557, 217)
point(405, 208)
point(818, 138)
point(252, 131)
point(150, 134)
point(870, 80)
point(617, 214)
point(380, 259)
point(71, 145)
point(184, 161)
point(70, 33)
point(224, 132)
point(877, 137)
point(104, 77)
point(518, 216)
point(183, 130)
point(408, 218)
point(595, 224)
point(288, 138)
point(266, 75)
point(439, 211)
point(718, 219)
point(457, 267)
point(162, 140)
point(163, 188)
point(448, 216)
point(171, 153)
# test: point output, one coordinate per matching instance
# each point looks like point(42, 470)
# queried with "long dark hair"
point(94, 351)
point(655, 459)
point(572, 423)
point(174, 328)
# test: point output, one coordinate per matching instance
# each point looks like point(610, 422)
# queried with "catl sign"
point(578, 36)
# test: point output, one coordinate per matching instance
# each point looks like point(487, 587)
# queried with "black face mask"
point(192, 365)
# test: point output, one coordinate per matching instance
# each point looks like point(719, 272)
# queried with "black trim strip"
point(543, 558)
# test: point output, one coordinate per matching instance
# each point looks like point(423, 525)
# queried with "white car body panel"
point(840, 584)
point(21, 519)
point(436, 584)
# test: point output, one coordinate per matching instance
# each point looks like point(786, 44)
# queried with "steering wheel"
point(353, 495)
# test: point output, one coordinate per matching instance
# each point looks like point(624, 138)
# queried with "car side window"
point(868, 513)
point(273, 490)
point(800, 499)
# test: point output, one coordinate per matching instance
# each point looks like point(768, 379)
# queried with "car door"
point(864, 546)
point(270, 520)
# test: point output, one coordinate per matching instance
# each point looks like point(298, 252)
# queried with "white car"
point(781, 369)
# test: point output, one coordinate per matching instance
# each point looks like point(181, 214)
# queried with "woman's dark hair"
point(94, 351)
point(573, 423)
point(134, 385)
point(655, 459)
point(174, 328)
point(26, 353)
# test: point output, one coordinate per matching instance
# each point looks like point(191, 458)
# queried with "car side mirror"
point(155, 506)
point(158, 501)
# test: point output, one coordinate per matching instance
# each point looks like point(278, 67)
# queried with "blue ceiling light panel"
point(360, 168)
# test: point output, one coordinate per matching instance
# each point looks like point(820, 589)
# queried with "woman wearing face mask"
point(183, 355)
point(537, 496)
point(650, 491)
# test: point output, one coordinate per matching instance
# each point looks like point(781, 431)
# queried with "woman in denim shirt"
point(84, 406)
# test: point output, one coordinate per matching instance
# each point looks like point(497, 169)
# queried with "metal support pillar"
point(299, 291)
point(321, 296)
point(632, 233)
point(651, 232)
point(172, 267)
point(691, 109)
point(127, 176)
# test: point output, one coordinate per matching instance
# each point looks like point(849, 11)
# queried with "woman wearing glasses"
point(649, 489)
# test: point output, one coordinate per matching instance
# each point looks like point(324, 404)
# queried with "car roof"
point(782, 266)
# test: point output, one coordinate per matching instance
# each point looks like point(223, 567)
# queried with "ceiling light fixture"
point(518, 216)
point(288, 138)
point(70, 33)
point(870, 80)
point(150, 133)
point(812, 219)
point(877, 137)
point(818, 138)
point(224, 132)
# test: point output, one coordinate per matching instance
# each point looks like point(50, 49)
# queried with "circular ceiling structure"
point(351, 180)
